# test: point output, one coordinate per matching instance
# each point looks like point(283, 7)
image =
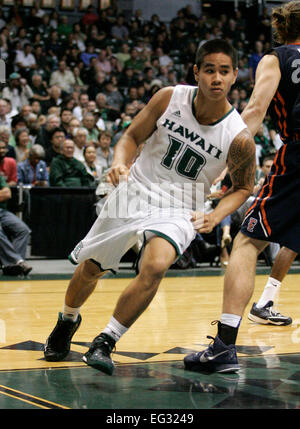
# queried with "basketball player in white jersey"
point(191, 134)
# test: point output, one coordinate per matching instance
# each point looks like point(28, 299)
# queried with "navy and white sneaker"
point(268, 316)
point(216, 358)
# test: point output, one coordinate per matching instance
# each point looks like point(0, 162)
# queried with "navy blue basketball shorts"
point(275, 213)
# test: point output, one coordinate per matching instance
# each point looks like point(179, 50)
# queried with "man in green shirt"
point(135, 61)
point(66, 171)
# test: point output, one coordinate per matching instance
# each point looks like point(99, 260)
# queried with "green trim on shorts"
point(72, 260)
point(166, 237)
point(101, 269)
point(95, 262)
point(159, 234)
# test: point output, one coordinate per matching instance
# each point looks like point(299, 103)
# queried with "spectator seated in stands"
point(33, 171)
point(66, 171)
point(18, 92)
point(23, 144)
point(92, 108)
point(45, 134)
point(80, 139)
point(119, 128)
point(8, 166)
point(88, 54)
point(73, 124)
point(17, 122)
point(81, 108)
point(65, 117)
point(123, 55)
point(114, 98)
point(94, 169)
point(56, 98)
point(4, 118)
point(135, 61)
point(263, 146)
point(89, 122)
point(5, 135)
point(12, 249)
point(120, 31)
point(96, 82)
point(56, 139)
point(25, 61)
point(104, 111)
point(102, 62)
point(263, 172)
point(63, 78)
point(104, 150)
point(40, 91)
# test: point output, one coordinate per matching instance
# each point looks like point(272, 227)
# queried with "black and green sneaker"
point(59, 341)
point(98, 355)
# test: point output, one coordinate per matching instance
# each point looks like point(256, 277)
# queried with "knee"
point(22, 229)
point(90, 270)
point(153, 271)
point(243, 241)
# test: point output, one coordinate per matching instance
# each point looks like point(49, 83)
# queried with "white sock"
point(270, 291)
point(114, 329)
point(231, 320)
point(70, 313)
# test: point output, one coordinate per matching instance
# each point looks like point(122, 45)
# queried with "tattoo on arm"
point(241, 161)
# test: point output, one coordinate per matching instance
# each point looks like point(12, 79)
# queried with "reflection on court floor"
point(149, 358)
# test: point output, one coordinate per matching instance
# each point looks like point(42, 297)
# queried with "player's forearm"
point(232, 200)
point(125, 151)
point(253, 116)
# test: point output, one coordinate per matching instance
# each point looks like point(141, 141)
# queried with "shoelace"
point(107, 349)
point(274, 313)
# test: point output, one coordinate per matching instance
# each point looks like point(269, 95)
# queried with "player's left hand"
point(203, 223)
point(217, 195)
point(117, 173)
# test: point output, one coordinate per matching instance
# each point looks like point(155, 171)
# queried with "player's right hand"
point(116, 173)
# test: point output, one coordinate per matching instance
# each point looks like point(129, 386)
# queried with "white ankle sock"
point(231, 320)
point(270, 291)
point(114, 329)
point(70, 313)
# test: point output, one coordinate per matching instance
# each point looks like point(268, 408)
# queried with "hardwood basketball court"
point(149, 357)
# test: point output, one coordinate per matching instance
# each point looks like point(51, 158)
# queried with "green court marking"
point(160, 385)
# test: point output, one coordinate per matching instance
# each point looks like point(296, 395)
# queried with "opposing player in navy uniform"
point(191, 134)
point(275, 213)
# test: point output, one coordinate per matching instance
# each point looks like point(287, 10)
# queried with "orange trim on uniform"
point(281, 109)
point(264, 216)
point(282, 160)
point(256, 199)
point(278, 113)
point(282, 103)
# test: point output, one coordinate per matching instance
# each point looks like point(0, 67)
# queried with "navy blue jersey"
point(274, 215)
point(285, 106)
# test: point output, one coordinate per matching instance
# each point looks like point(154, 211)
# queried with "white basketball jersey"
point(181, 150)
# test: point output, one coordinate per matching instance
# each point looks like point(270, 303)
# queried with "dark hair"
point(65, 109)
point(19, 132)
point(17, 120)
point(216, 46)
point(56, 130)
point(86, 147)
point(105, 133)
point(268, 157)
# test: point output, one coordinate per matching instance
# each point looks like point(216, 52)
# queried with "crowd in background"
point(73, 88)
